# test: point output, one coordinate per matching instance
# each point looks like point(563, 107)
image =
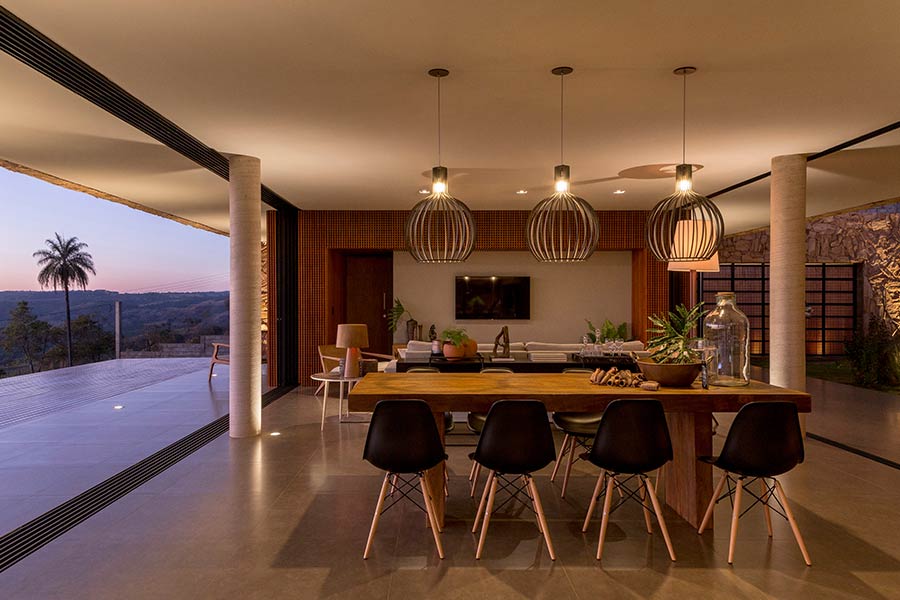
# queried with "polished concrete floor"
point(287, 516)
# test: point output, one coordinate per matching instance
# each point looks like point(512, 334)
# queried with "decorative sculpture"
point(502, 341)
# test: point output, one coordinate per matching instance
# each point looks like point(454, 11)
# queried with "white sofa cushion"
point(548, 347)
point(513, 347)
point(419, 346)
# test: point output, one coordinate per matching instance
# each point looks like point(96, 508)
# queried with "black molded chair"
point(764, 441)
point(475, 423)
point(632, 440)
point(580, 429)
point(516, 440)
point(404, 440)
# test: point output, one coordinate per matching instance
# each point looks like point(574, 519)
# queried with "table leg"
point(688, 481)
point(324, 405)
point(435, 476)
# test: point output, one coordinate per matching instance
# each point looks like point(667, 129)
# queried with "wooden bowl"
point(670, 375)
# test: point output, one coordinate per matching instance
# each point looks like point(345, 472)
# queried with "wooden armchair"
point(216, 359)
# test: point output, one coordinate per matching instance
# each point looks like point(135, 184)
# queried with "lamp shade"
point(352, 335)
point(701, 266)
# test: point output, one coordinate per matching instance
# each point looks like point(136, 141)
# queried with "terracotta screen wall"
point(324, 232)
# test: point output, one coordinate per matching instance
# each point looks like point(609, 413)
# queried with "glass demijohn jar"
point(727, 330)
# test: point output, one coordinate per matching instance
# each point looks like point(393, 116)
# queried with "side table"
point(329, 378)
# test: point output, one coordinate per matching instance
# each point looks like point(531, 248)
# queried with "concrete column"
point(245, 352)
point(787, 279)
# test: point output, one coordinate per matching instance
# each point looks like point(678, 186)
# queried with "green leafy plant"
point(670, 337)
point(455, 335)
point(608, 331)
point(873, 355)
point(397, 312)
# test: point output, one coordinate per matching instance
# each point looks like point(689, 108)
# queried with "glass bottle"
point(727, 330)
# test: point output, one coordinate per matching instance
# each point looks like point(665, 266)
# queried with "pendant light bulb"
point(683, 180)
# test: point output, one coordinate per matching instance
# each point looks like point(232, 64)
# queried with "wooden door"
point(369, 295)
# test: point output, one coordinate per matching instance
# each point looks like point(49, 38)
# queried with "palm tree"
point(65, 264)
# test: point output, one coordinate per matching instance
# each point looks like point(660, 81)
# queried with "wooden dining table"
point(688, 482)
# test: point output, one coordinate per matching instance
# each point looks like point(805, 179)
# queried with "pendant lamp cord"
point(439, 119)
point(683, 114)
point(561, 131)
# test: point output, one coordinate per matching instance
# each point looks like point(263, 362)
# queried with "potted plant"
point(458, 344)
point(674, 359)
point(608, 331)
point(396, 313)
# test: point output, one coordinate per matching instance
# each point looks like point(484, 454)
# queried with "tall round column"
point(787, 275)
point(244, 321)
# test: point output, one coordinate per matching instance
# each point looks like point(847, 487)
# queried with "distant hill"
point(188, 313)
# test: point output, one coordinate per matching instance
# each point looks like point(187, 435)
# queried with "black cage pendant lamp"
point(562, 227)
point(440, 228)
point(686, 226)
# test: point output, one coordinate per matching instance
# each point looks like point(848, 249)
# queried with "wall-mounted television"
point(493, 297)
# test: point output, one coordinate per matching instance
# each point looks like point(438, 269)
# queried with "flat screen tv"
point(493, 297)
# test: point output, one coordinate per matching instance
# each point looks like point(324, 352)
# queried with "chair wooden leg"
point(324, 405)
point(446, 481)
point(474, 487)
point(790, 517)
point(572, 448)
point(319, 389)
point(429, 508)
point(378, 506)
point(735, 517)
point(484, 495)
point(211, 365)
point(604, 521)
point(712, 503)
point(659, 517)
point(660, 478)
point(593, 504)
point(765, 502)
point(533, 505)
point(645, 509)
point(562, 453)
point(539, 508)
point(487, 515)
point(393, 485)
point(472, 470)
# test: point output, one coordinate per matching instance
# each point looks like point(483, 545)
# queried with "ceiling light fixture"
point(440, 228)
point(424, 191)
point(562, 227)
point(686, 226)
point(619, 192)
point(521, 192)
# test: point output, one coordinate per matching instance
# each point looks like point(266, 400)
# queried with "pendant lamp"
point(562, 227)
point(686, 226)
point(440, 228)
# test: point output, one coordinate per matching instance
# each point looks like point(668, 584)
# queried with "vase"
point(726, 334)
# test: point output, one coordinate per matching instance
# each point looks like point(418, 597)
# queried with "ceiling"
point(334, 99)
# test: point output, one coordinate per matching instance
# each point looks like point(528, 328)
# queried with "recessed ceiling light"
point(521, 192)
point(424, 191)
point(275, 433)
point(118, 407)
point(619, 192)
point(215, 374)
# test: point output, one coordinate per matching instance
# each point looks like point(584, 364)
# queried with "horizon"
point(133, 251)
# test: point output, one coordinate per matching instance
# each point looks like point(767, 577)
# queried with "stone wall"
point(870, 236)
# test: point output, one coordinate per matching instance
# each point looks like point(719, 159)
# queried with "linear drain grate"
point(879, 459)
point(22, 541)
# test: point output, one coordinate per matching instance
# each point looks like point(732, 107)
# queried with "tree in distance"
point(65, 264)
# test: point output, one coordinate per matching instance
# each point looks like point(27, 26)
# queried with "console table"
point(689, 411)
point(523, 365)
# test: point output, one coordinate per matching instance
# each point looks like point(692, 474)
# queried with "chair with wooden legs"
point(403, 440)
point(579, 430)
point(516, 441)
point(764, 441)
point(216, 359)
point(448, 425)
point(475, 423)
point(632, 440)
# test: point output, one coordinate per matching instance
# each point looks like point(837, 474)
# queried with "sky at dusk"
point(133, 251)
